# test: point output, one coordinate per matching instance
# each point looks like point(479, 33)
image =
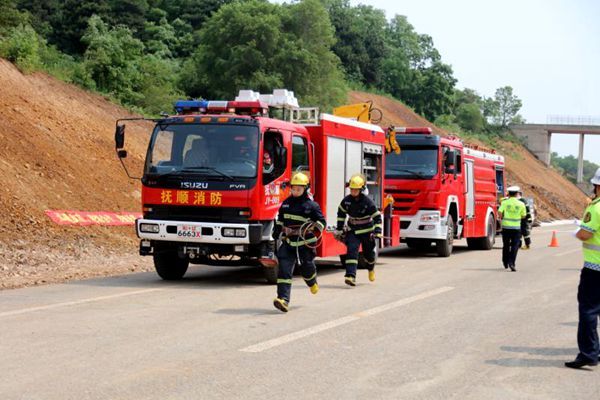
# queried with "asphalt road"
point(428, 328)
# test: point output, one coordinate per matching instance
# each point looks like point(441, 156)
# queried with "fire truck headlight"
point(149, 228)
point(229, 232)
point(431, 217)
point(240, 233)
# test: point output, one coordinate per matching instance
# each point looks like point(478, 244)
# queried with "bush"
point(21, 47)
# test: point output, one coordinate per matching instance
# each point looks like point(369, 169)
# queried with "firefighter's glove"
point(375, 235)
point(338, 235)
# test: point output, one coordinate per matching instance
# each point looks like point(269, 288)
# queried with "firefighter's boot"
point(372, 275)
point(350, 280)
point(314, 289)
point(281, 304)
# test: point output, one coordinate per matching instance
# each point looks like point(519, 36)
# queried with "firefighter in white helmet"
point(512, 212)
point(588, 294)
point(362, 226)
point(298, 217)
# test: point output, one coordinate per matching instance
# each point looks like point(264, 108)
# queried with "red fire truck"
point(207, 195)
point(443, 189)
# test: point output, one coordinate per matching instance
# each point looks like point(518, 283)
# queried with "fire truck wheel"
point(444, 247)
point(170, 266)
point(270, 274)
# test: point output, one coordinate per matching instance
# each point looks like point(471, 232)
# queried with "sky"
point(548, 51)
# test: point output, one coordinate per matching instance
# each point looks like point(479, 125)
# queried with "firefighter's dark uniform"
point(526, 224)
point(294, 212)
point(364, 222)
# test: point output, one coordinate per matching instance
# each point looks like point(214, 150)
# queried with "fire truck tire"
point(169, 266)
point(270, 274)
point(444, 247)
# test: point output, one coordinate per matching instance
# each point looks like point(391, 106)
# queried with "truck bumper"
point(199, 232)
point(423, 225)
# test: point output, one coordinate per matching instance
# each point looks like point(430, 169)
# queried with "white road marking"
point(76, 302)
point(564, 253)
point(269, 344)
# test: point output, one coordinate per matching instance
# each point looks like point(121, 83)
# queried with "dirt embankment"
point(57, 152)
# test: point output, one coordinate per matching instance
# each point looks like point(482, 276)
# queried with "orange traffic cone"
point(554, 241)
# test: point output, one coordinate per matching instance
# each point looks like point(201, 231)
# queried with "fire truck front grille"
point(195, 214)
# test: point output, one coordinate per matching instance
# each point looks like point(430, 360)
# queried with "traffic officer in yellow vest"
point(511, 211)
point(588, 294)
point(297, 219)
point(364, 225)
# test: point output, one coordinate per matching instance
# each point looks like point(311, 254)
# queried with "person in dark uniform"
point(588, 294)
point(512, 211)
point(364, 225)
point(526, 223)
point(294, 225)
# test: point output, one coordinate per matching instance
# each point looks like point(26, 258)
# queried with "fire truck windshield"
point(412, 163)
point(223, 151)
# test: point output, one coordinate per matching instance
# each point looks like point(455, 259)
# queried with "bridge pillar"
point(580, 159)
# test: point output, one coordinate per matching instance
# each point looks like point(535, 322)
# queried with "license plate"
point(188, 231)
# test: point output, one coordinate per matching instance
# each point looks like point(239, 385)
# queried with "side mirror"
point(122, 153)
point(281, 154)
point(450, 162)
point(120, 137)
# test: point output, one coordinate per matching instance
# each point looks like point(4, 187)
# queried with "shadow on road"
point(248, 311)
point(534, 362)
point(526, 362)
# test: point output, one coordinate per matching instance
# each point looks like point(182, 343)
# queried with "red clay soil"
point(57, 152)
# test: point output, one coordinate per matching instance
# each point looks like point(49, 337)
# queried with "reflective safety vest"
point(591, 247)
point(513, 211)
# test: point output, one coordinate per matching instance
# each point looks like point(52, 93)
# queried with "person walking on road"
point(588, 294)
point(511, 211)
point(364, 225)
point(297, 219)
point(526, 223)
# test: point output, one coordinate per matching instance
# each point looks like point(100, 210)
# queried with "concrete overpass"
point(538, 139)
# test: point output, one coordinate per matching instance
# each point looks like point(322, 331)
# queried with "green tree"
point(503, 108)
point(10, 16)
point(360, 39)
point(112, 59)
point(264, 46)
point(469, 117)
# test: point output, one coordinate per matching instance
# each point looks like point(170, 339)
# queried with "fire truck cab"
point(216, 173)
point(443, 189)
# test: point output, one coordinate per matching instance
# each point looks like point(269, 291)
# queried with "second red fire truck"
point(443, 189)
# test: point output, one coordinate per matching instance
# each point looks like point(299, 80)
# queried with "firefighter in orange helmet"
point(298, 217)
point(363, 226)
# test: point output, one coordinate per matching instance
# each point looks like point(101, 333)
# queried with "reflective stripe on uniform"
point(351, 261)
point(587, 228)
point(312, 277)
point(295, 217)
point(288, 281)
point(511, 219)
point(342, 208)
point(319, 223)
point(591, 265)
point(301, 242)
point(341, 219)
point(358, 232)
point(511, 227)
point(279, 223)
point(376, 213)
point(590, 246)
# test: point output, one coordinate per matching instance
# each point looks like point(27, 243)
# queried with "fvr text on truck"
point(206, 196)
point(443, 189)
